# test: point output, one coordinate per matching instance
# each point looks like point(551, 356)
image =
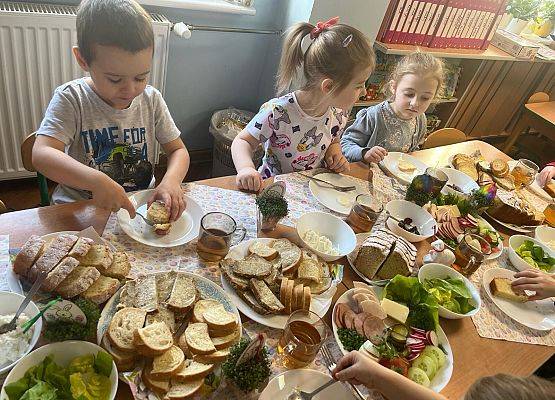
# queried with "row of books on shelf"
point(464, 24)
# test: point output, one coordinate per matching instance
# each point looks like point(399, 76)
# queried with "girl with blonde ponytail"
point(301, 130)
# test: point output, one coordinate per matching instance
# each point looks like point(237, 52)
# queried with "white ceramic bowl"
point(63, 353)
point(459, 179)
point(9, 303)
point(423, 220)
point(433, 270)
point(545, 234)
point(514, 242)
point(338, 232)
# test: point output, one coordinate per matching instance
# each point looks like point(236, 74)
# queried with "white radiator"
point(35, 58)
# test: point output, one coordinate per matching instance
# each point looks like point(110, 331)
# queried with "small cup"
point(218, 231)
point(468, 258)
point(302, 339)
point(364, 213)
point(524, 173)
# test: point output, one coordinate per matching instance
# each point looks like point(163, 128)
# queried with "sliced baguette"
point(99, 256)
point(192, 370)
point(79, 280)
point(28, 254)
point(219, 319)
point(154, 339)
point(201, 306)
point(197, 338)
point(59, 273)
point(120, 267)
point(225, 341)
point(146, 293)
point(214, 357)
point(289, 253)
point(123, 325)
point(102, 289)
point(183, 390)
point(289, 296)
point(163, 314)
point(265, 296)
point(252, 266)
point(297, 302)
point(183, 294)
point(307, 298)
point(159, 386)
point(168, 363)
point(263, 250)
point(124, 361)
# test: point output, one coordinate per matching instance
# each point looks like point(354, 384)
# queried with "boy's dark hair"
point(120, 23)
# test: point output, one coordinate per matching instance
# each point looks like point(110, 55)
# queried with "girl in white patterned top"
point(399, 123)
point(301, 130)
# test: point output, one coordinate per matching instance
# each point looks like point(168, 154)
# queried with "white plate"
point(307, 380)
point(390, 164)
point(340, 202)
point(183, 230)
point(13, 279)
point(320, 304)
point(538, 314)
point(512, 227)
point(459, 179)
point(352, 256)
point(442, 377)
point(493, 256)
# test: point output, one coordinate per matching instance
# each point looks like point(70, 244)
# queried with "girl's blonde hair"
point(510, 387)
point(332, 54)
point(417, 63)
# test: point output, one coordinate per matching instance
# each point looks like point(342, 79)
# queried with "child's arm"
point(50, 160)
point(334, 158)
point(242, 149)
point(358, 141)
point(169, 189)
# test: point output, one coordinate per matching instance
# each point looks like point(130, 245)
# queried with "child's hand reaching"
point(171, 194)
point(358, 370)
point(375, 154)
point(546, 175)
point(249, 179)
point(335, 160)
point(534, 280)
point(109, 195)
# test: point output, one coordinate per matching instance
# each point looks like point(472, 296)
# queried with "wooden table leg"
point(522, 123)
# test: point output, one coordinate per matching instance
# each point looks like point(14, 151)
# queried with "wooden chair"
point(27, 158)
point(443, 137)
point(538, 97)
point(3, 207)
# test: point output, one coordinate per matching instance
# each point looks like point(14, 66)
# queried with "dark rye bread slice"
point(374, 251)
point(59, 273)
point(252, 266)
point(28, 254)
point(54, 252)
point(237, 282)
point(401, 260)
point(265, 296)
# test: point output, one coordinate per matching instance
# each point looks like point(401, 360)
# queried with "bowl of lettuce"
point(64, 370)
point(526, 252)
point(456, 296)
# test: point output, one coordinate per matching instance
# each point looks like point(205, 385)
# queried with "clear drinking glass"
point(524, 173)
point(468, 256)
point(364, 213)
point(218, 231)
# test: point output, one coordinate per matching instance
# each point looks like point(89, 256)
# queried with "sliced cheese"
point(395, 310)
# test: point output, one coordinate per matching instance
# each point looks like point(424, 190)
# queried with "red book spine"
point(497, 19)
point(392, 26)
point(475, 28)
point(484, 22)
point(403, 37)
point(401, 21)
point(466, 37)
point(386, 21)
point(450, 39)
point(434, 22)
point(443, 25)
point(460, 25)
point(424, 22)
point(412, 32)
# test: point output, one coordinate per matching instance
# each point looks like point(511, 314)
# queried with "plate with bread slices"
point(402, 166)
point(175, 327)
point(76, 263)
point(538, 314)
point(268, 279)
point(162, 233)
point(362, 321)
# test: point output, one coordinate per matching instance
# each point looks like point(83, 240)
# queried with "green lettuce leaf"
point(40, 391)
point(103, 363)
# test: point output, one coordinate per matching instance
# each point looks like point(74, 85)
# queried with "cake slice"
point(120, 266)
point(102, 289)
point(81, 247)
point(99, 256)
point(53, 253)
point(28, 254)
point(501, 287)
point(59, 273)
point(79, 280)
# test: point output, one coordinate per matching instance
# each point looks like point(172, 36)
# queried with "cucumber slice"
point(426, 364)
point(417, 375)
point(435, 353)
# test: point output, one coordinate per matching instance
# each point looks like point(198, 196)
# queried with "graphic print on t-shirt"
point(119, 153)
point(310, 140)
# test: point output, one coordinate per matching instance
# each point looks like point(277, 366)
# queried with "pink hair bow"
point(321, 26)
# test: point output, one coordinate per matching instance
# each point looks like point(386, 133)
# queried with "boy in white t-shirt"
point(97, 138)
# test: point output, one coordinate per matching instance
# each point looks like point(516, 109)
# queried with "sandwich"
point(501, 287)
point(160, 216)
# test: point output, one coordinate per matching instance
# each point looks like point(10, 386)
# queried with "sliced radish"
point(413, 356)
point(418, 330)
point(412, 340)
point(431, 338)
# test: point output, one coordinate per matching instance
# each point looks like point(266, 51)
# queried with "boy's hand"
point(335, 160)
point(109, 195)
point(249, 179)
point(172, 196)
point(536, 281)
point(375, 154)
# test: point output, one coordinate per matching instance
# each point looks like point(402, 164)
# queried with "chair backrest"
point(444, 136)
point(27, 152)
point(539, 97)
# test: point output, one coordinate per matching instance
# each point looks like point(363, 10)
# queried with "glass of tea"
point(470, 253)
point(364, 213)
point(218, 231)
point(301, 339)
point(524, 173)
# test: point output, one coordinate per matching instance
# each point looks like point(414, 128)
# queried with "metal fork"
point(331, 185)
point(148, 222)
point(330, 363)
point(300, 395)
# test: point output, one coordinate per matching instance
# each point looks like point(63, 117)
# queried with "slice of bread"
point(102, 289)
point(225, 341)
point(253, 266)
point(120, 267)
point(81, 247)
point(168, 363)
point(298, 294)
point(99, 256)
point(183, 390)
point(123, 325)
point(219, 319)
point(153, 339)
point(310, 270)
point(127, 295)
point(307, 298)
point(283, 289)
point(265, 296)
point(164, 284)
point(124, 361)
point(252, 302)
point(201, 306)
point(198, 339)
point(183, 295)
point(146, 293)
point(51, 255)
point(158, 213)
point(79, 280)
point(501, 287)
point(289, 253)
point(289, 296)
point(213, 358)
point(237, 282)
point(263, 250)
point(159, 386)
point(163, 314)
point(192, 370)
point(28, 254)
point(59, 273)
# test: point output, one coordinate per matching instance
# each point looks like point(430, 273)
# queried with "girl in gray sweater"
point(399, 123)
